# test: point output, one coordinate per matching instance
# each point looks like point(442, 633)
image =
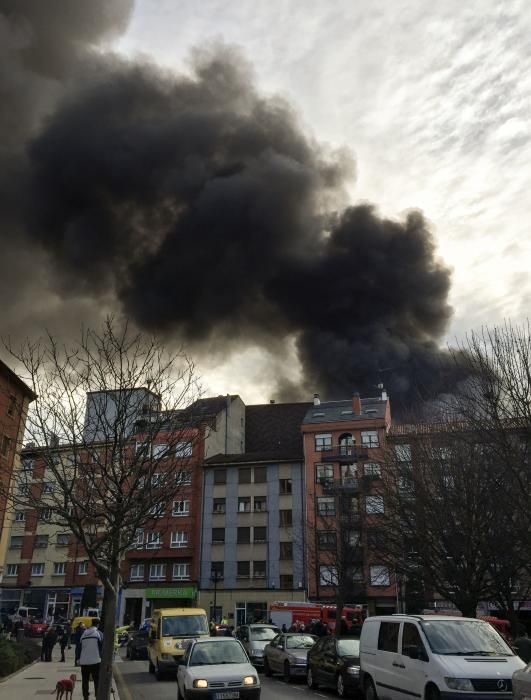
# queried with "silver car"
point(255, 638)
point(287, 653)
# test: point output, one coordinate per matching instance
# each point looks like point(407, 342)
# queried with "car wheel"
point(158, 672)
point(267, 668)
point(433, 693)
point(151, 668)
point(340, 686)
point(310, 680)
point(370, 690)
point(287, 672)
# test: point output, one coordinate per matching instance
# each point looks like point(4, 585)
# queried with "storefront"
point(138, 603)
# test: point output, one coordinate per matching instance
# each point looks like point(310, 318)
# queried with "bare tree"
point(447, 520)
point(111, 445)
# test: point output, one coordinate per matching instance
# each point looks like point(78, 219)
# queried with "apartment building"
point(47, 568)
point(15, 397)
point(252, 542)
point(344, 444)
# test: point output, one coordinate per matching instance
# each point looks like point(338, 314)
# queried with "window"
point(285, 486)
point(153, 540)
point(62, 540)
point(37, 569)
point(12, 570)
point(323, 442)
point(403, 453)
point(138, 541)
point(260, 475)
point(259, 534)
point(41, 541)
point(286, 550)
point(179, 539)
point(220, 476)
point(12, 404)
point(327, 539)
point(181, 572)
point(244, 504)
point(20, 516)
point(354, 538)
point(48, 487)
point(160, 451)
point(82, 568)
point(244, 476)
point(349, 474)
point(244, 535)
point(219, 505)
point(324, 472)
point(6, 444)
point(183, 449)
point(23, 490)
point(136, 572)
point(411, 637)
point(157, 480)
point(183, 478)
point(374, 504)
point(372, 470)
point(243, 569)
point(59, 568)
point(328, 575)
point(379, 576)
point(157, 511)
point(388, 636)
point(218, 535)
point(326, 505)
point(157, 572)
point(259, 569)
point(217, 569)
point(350, 506)
point(369, 438)
point(46, 514)
point(260, 504)
point(181, 508)
point(286, 518)
point(27, 464)
point(286, 581)
point(16, 542)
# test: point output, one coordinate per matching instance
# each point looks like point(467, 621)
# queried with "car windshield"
point(299, 641)
point(184, 625)
point(262, 634)
point(464, 638)
point(348, 647)
point(208, 653)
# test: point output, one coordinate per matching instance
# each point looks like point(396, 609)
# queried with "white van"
point(434, 657)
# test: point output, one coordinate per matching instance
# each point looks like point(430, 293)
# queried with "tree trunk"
point(467, 607)
point(109, 607)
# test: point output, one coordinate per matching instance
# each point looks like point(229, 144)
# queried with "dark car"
point(335, 662)
point(137, 645)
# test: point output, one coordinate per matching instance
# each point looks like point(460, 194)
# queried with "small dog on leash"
point(65, 688)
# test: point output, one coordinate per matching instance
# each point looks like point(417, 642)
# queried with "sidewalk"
point(41, 678)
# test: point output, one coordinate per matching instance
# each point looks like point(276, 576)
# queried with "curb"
point(122, 691)
point(20, 670)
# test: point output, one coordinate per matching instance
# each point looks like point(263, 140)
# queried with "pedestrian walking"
point(68, 633)
point(80, 630)
point(48, 643)
point(90, 658)
point(523, 645)
point(63, 640)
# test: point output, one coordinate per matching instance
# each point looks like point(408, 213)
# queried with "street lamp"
point(215, 576)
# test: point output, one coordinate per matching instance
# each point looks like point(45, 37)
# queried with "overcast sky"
point(432, 98)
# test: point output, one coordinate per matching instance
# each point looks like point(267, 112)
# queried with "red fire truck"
point(288, 612)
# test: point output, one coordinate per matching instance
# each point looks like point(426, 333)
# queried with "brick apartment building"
point(15, 397)
point(343, 454)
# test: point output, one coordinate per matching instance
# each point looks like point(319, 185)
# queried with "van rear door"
point(387, 673)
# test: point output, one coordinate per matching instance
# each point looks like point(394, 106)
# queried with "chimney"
point(356, 404)
point(271, 400)
point(384, 395)
point(316, 400)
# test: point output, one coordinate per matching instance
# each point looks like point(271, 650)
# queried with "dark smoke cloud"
point(204, 211)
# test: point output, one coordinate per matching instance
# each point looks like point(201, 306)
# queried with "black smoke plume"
point(201, 209)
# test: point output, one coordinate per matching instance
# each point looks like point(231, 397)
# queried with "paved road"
point(141, 685)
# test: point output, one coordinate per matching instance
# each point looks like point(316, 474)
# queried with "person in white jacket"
point(90, 658)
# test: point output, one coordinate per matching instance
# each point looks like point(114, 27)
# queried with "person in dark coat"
point(63, 641)
point(77, 641)
point(48, 643)
point(523, 646)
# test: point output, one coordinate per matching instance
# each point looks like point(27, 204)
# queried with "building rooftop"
point(337, 411)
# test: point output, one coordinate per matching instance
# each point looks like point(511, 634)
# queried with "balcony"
point(345, 454)
point(344, 486)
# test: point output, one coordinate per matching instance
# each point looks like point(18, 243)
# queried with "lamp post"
point(215, 576)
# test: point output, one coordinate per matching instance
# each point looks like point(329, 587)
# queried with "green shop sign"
point(183, 592)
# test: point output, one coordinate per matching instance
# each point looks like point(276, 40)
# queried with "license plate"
point(228, 695)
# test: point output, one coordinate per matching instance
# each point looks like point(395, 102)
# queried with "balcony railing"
point(343, 453)
point(340, 486)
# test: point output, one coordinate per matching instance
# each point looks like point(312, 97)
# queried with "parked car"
point(35, 628)
point(255, 638)
point(434, 656)
point(216, 667)
point(286, 654)
point(522, 683)
point(137, 645)
point(335, 662)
